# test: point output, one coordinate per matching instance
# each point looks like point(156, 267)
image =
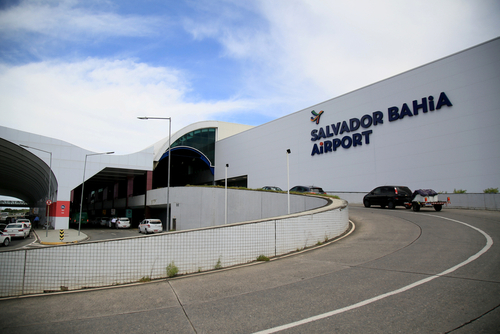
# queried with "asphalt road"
point(96, 233)
point(19, 242)
point(398, 272)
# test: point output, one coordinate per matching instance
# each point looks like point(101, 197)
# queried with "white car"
point(24, 221)
point(4, 239)
point(122, 223)
point(17, 230)
point(150, 226)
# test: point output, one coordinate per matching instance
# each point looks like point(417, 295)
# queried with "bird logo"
point(316, 116)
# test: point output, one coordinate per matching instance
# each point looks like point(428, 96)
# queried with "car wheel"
point(145, 231)
point(366, 203)
point(390, 205)
point(416, 206)
point(6, 242)
point(438, 207)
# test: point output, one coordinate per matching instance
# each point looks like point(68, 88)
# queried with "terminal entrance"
point(188, 166)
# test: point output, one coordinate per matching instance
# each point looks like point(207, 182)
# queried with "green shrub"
point(145, 279)
point(262, 258)
point(491, 191)
point(459, 191)
point(172, 270)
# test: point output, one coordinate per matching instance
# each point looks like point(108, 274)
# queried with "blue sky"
point(82, 71)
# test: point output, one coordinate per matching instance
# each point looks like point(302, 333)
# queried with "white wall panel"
point(456, 147)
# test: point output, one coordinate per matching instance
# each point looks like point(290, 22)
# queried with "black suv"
point(308, 189)
point(390, 196)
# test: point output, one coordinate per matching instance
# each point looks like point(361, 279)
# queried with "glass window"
point(202, 140)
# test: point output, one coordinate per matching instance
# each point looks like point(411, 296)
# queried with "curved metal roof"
point(24, 175)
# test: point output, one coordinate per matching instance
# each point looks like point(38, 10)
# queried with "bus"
point(75, 216)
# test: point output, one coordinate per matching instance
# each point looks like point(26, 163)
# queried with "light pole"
point(225, 197)
point(288, 151)
point(168, 167)
point(50, 178)
point(83, 184)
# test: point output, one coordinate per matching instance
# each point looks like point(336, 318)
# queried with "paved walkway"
point(53, 237)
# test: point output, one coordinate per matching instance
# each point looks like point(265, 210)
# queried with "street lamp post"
point(83, 184)
point(168, 167)
point(225, 197)
point(50, 178)
point(288, 151)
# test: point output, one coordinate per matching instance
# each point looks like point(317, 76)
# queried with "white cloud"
point(321, 49)
point(94, 103)
point(65, 20)
point(290, 54)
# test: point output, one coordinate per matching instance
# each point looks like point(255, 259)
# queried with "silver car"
point(150, 226)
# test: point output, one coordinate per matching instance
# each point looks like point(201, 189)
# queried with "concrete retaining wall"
point(196, 207)
point(120, 261)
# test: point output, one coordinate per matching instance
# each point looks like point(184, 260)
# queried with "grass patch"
point(262, 258)
point(218, 265)
point(172, 270)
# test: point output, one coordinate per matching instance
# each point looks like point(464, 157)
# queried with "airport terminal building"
point(435, 126)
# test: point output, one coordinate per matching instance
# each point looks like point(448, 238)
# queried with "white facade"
point(68, 162)
point(435, 127)
point(454, 147)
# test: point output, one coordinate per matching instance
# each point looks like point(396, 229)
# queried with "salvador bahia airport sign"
point(356, 131)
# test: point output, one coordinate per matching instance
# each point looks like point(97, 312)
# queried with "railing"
point(5, 203)
point(120, 261)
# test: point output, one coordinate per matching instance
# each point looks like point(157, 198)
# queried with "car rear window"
point(124, 219)
point(404, 190)
point(14, 226)
point(317, 190)
point(155, 221)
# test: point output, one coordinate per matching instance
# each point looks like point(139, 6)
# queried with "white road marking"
point(489, 243)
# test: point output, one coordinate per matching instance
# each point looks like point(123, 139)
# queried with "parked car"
point(17, 230)
point(123, 222)
point(24, 221)
point(272, 188)
point(308, 189)
point(4, 239)
point(10, 220)
point(150, 226)
point(388, 196)
point(103, 221)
